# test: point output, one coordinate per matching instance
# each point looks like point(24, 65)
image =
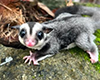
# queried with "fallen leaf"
point(45, 8)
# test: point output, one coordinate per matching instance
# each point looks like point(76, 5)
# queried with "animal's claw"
point(31, 58)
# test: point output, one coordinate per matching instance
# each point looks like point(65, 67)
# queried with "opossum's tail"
point(92, 12)
point(69, 9)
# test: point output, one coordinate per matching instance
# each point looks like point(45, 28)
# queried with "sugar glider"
point(50, 37)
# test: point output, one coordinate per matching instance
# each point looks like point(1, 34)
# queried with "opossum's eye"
point(22, 33)
point(40, 35)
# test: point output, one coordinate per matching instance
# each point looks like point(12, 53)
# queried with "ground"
point(66, 65)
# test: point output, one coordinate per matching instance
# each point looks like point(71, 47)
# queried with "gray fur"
point(93, 12)
point(75, 29)
point(67, 29)
point(71, 28)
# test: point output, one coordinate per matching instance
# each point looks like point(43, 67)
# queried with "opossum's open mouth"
point(30, 43)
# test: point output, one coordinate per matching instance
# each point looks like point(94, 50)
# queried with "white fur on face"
point(26, 27)
point(37, 27)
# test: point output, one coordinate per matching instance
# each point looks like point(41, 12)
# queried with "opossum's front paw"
point(30, 59)
point(93, 56)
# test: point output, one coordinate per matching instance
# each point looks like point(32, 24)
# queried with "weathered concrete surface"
point(63, 66)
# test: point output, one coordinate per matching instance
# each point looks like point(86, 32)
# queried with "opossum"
point(49, 37)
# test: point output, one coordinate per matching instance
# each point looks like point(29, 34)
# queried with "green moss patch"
point(97, 41)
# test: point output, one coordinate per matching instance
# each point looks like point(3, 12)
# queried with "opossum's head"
point(33, 35)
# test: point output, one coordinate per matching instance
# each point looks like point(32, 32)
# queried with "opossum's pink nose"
point(30, 43)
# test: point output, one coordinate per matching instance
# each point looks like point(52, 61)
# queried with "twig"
point(5, 7)
point(0, 17)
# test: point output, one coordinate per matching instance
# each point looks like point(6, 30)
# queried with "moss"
point(86, 57)
point(88, 4)
point(97, 41)
point(92, 5)
point(80, 53)
point(33, 77)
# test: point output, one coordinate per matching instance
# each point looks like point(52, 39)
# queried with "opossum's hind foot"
point(93, 57)
point(31, 58)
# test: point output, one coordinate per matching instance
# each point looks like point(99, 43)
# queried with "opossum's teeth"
point(31, 58)
point(93, 57)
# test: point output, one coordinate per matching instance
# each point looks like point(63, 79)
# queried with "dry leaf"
point(45, 8)
point(17, 13)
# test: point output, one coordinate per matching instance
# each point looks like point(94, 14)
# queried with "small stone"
point(24, 77)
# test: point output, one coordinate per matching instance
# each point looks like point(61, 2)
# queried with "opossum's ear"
point(47, 30)
point(15, 27)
